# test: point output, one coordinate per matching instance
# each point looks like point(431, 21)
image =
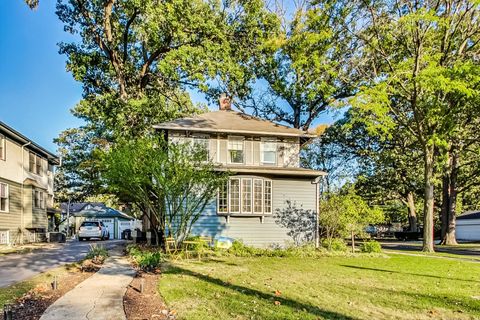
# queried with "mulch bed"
point(33, 304)
point(149, 304)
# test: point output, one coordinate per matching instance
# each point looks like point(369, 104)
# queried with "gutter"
point(22, 218)
point(317, 182)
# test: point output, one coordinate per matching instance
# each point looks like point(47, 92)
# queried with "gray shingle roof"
point(228, 121)
point(104, 212)
point(468, 215)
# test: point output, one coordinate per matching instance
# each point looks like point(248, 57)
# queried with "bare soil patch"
point(146, 305)
point(33, 304)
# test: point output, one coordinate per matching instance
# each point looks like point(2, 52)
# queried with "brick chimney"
point(224, 102)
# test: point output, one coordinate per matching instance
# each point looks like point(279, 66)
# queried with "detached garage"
point(468, 226)
point(114, 220)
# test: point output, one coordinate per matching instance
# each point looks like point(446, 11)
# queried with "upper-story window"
point(2, 147)
point(236, 146)
point(35, 163)
point(3, 197)
point(201, 143)
point(245, 195)
point(268, 150)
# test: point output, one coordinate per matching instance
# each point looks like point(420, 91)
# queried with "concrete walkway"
point(100, 297)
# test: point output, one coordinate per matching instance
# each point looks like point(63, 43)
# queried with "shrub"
point(334, 244)
point(97, 253)
point(371, 246)
point(145, 259)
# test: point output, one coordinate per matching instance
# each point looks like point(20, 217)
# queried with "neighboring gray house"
point(468, 226)
point(26, 188)
point(264, 159)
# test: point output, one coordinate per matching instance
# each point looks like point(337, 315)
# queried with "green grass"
point(395, 287)
point(11, 293)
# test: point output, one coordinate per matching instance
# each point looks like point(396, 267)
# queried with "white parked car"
point(93, 229)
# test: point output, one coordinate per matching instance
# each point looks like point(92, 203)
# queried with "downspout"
point(317, 182)
point(22, 217)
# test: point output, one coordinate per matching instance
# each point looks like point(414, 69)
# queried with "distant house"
point(79, 206)
point(116, 221)
point(264, 158)
point(26, 187)
point(468, 226)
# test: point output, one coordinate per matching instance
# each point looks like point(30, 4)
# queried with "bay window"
point(234, 195)
point(245, 195)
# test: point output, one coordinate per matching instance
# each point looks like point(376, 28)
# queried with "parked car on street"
point(93, 229)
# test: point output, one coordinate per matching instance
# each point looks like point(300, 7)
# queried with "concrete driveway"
point(18, 267)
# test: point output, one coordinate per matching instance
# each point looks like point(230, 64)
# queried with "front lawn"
point(395, 287)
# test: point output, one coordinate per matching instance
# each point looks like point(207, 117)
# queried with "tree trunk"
point(445, 204)
point(429, 200)
point(412, 212)
point(353, 242)
point(450, 190)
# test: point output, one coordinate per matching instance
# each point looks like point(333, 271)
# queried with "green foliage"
point(171, 181)
point(137, 59)
point(96, 251)
point(341, 215)
point(146, 259)
point(306, 68)
point(334, 244)
point(371, 246)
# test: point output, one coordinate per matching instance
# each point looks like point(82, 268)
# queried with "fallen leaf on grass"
point(278, 293)
point(277, 303)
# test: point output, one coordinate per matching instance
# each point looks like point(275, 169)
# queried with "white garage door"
point(468, 231)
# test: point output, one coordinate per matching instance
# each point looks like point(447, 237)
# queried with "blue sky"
point(36, 92)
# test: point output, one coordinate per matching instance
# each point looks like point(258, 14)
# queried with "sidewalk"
point(100, 297)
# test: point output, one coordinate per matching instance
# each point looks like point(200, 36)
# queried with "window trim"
point(7, 192)
point(205, 138)
point(37, 163)
point(241, 212)
point(262, 150)
point(3, 143)
point(231, 138)
point(239, 196)
point(262, 192)
point(243, 197)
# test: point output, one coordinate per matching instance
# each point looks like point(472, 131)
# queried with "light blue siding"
point(251, 230)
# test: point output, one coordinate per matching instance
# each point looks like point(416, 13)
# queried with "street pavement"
point(471, 250)
point(19, 267)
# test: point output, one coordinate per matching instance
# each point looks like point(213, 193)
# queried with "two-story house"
point(264, 159)
point(26, 187)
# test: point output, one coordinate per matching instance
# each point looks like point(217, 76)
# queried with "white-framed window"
point(38, 199)
point(245, 195)
point(267, 192)
point(34, 163)
point(3, 147)
point(202, 144)
point(268, 150)
point(222, 199)
point(236, 146)
point(257, 196)
point(4, 197)
point(234, 195)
